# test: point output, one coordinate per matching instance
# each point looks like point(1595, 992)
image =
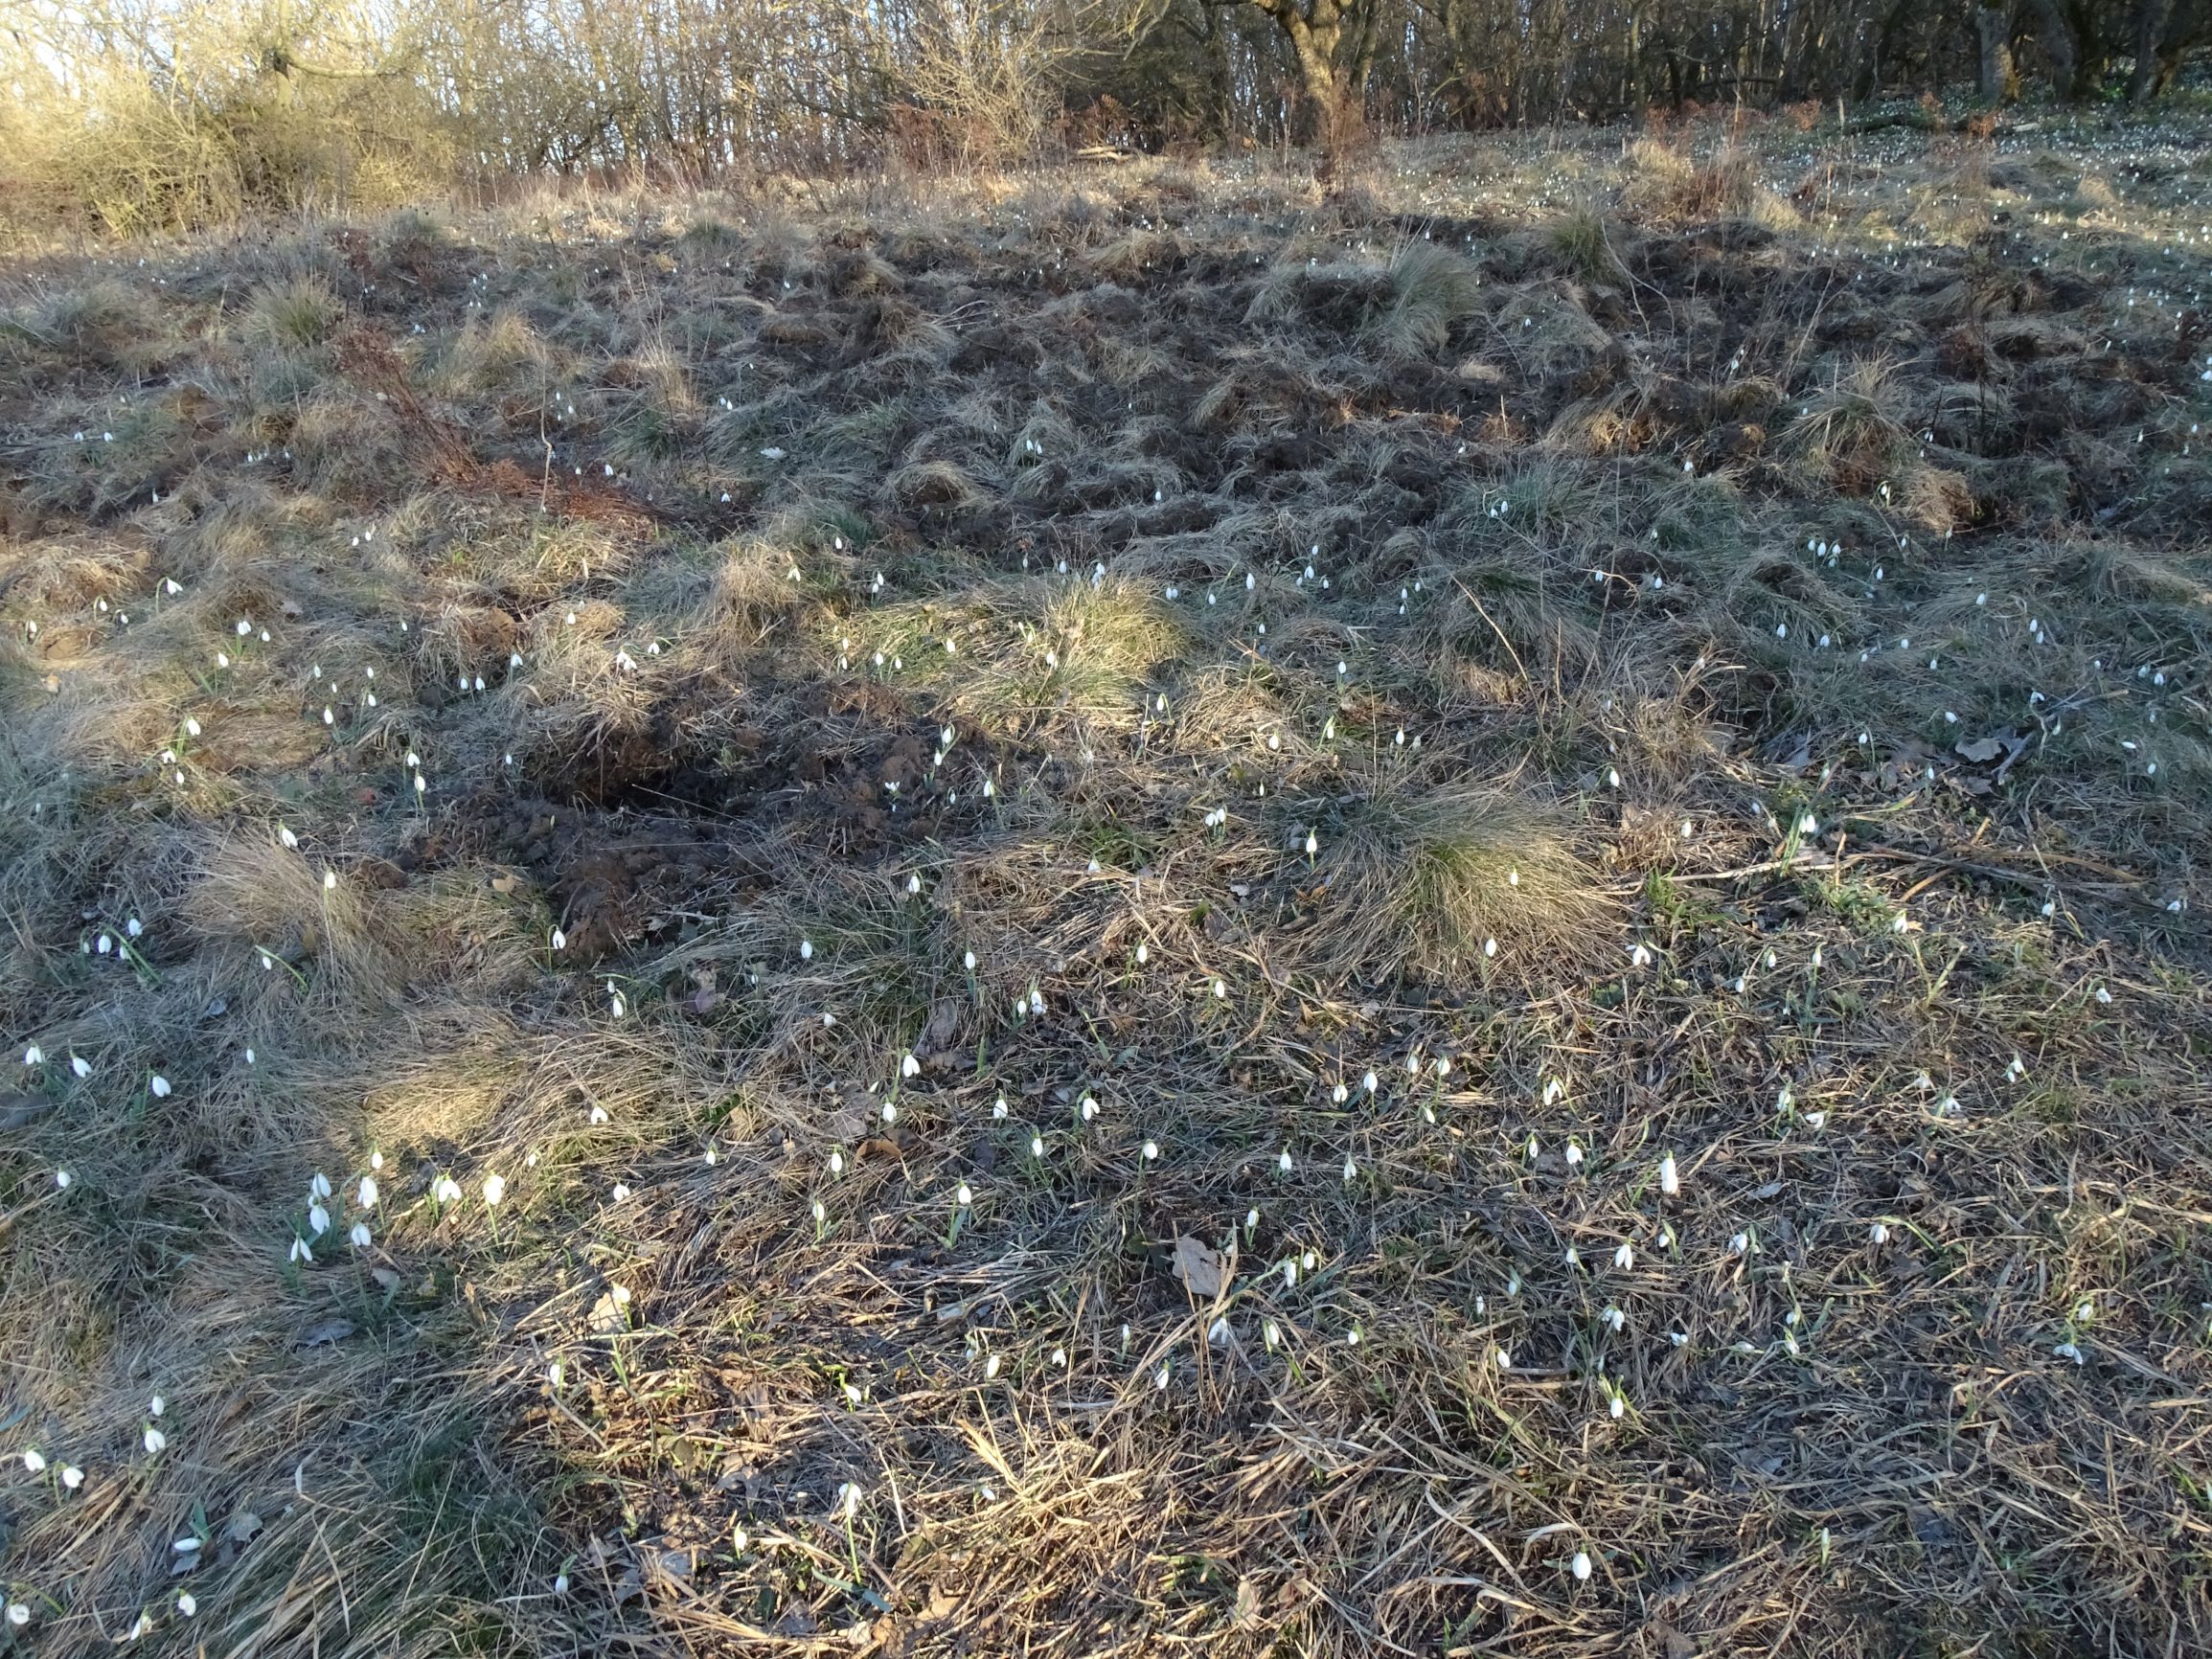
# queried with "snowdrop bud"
point(1582, 1566)
point(62, 1179)
point(34, 1056)
point(34, 1461)
point(154, 1440)
point(1669, 1178)
point(964, 1196)
point(1371, 1082)
point(358, 1235)
point(72, 1477)
point(1350, 1169)
point(909, 1067)
point(318, 1219)
point(1284, 1163)
point(158, 1086)
point(82, 1066)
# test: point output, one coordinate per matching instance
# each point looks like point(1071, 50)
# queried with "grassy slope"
point(1510, 632)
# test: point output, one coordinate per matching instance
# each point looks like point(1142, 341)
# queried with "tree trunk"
point(1995, 82)
point(2060, 47)
point(2150, 30)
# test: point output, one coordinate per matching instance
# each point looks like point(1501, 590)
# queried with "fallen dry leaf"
point(1201, 1268)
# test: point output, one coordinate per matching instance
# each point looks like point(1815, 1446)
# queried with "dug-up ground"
point(1125, 911)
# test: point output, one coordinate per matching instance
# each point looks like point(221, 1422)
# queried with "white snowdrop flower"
point(18, 1614)
point(1443, 1066)
point(358, 1235)
point(1574, 1155)
point(1413, 1063)
point(34, 1461)
point(34, 1056)
point(103, 945)
point(1036, 1147)
point(621, 1192)
point(1639, 957)
point(1574, 1257)
point(445, 1190)
point(1371, 1082)
point(82, 1066)
point(1504, 1360)
point(1613, 1319)
point(890, 1111)
point(1669, 1177)
point(1285, 1163)
point(1290, 1275)
point(909, 1067)
point(185, 1604)
point(614, 1002)
point(153, 1439)
point(1625, 1258)
point(1899, 924)
point(1350, 1169)
point(157, 1086)
point(998, 1109)
point(1739, 1244)
point(330, 877)
point(244, 627)
point(597, 1115)
point(914, 885)
point(1149, 1151)
point(495, 1190)
point(2068, 1350)
point(1679, 1338)
point(836, 1161)
point(1252, 1220)
point(72, 1477)
point(1088, 1107)
point(318, 1219)
point(1221, 991)
point(964, 1196)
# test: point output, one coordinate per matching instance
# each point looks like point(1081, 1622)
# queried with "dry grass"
point(888, 772)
